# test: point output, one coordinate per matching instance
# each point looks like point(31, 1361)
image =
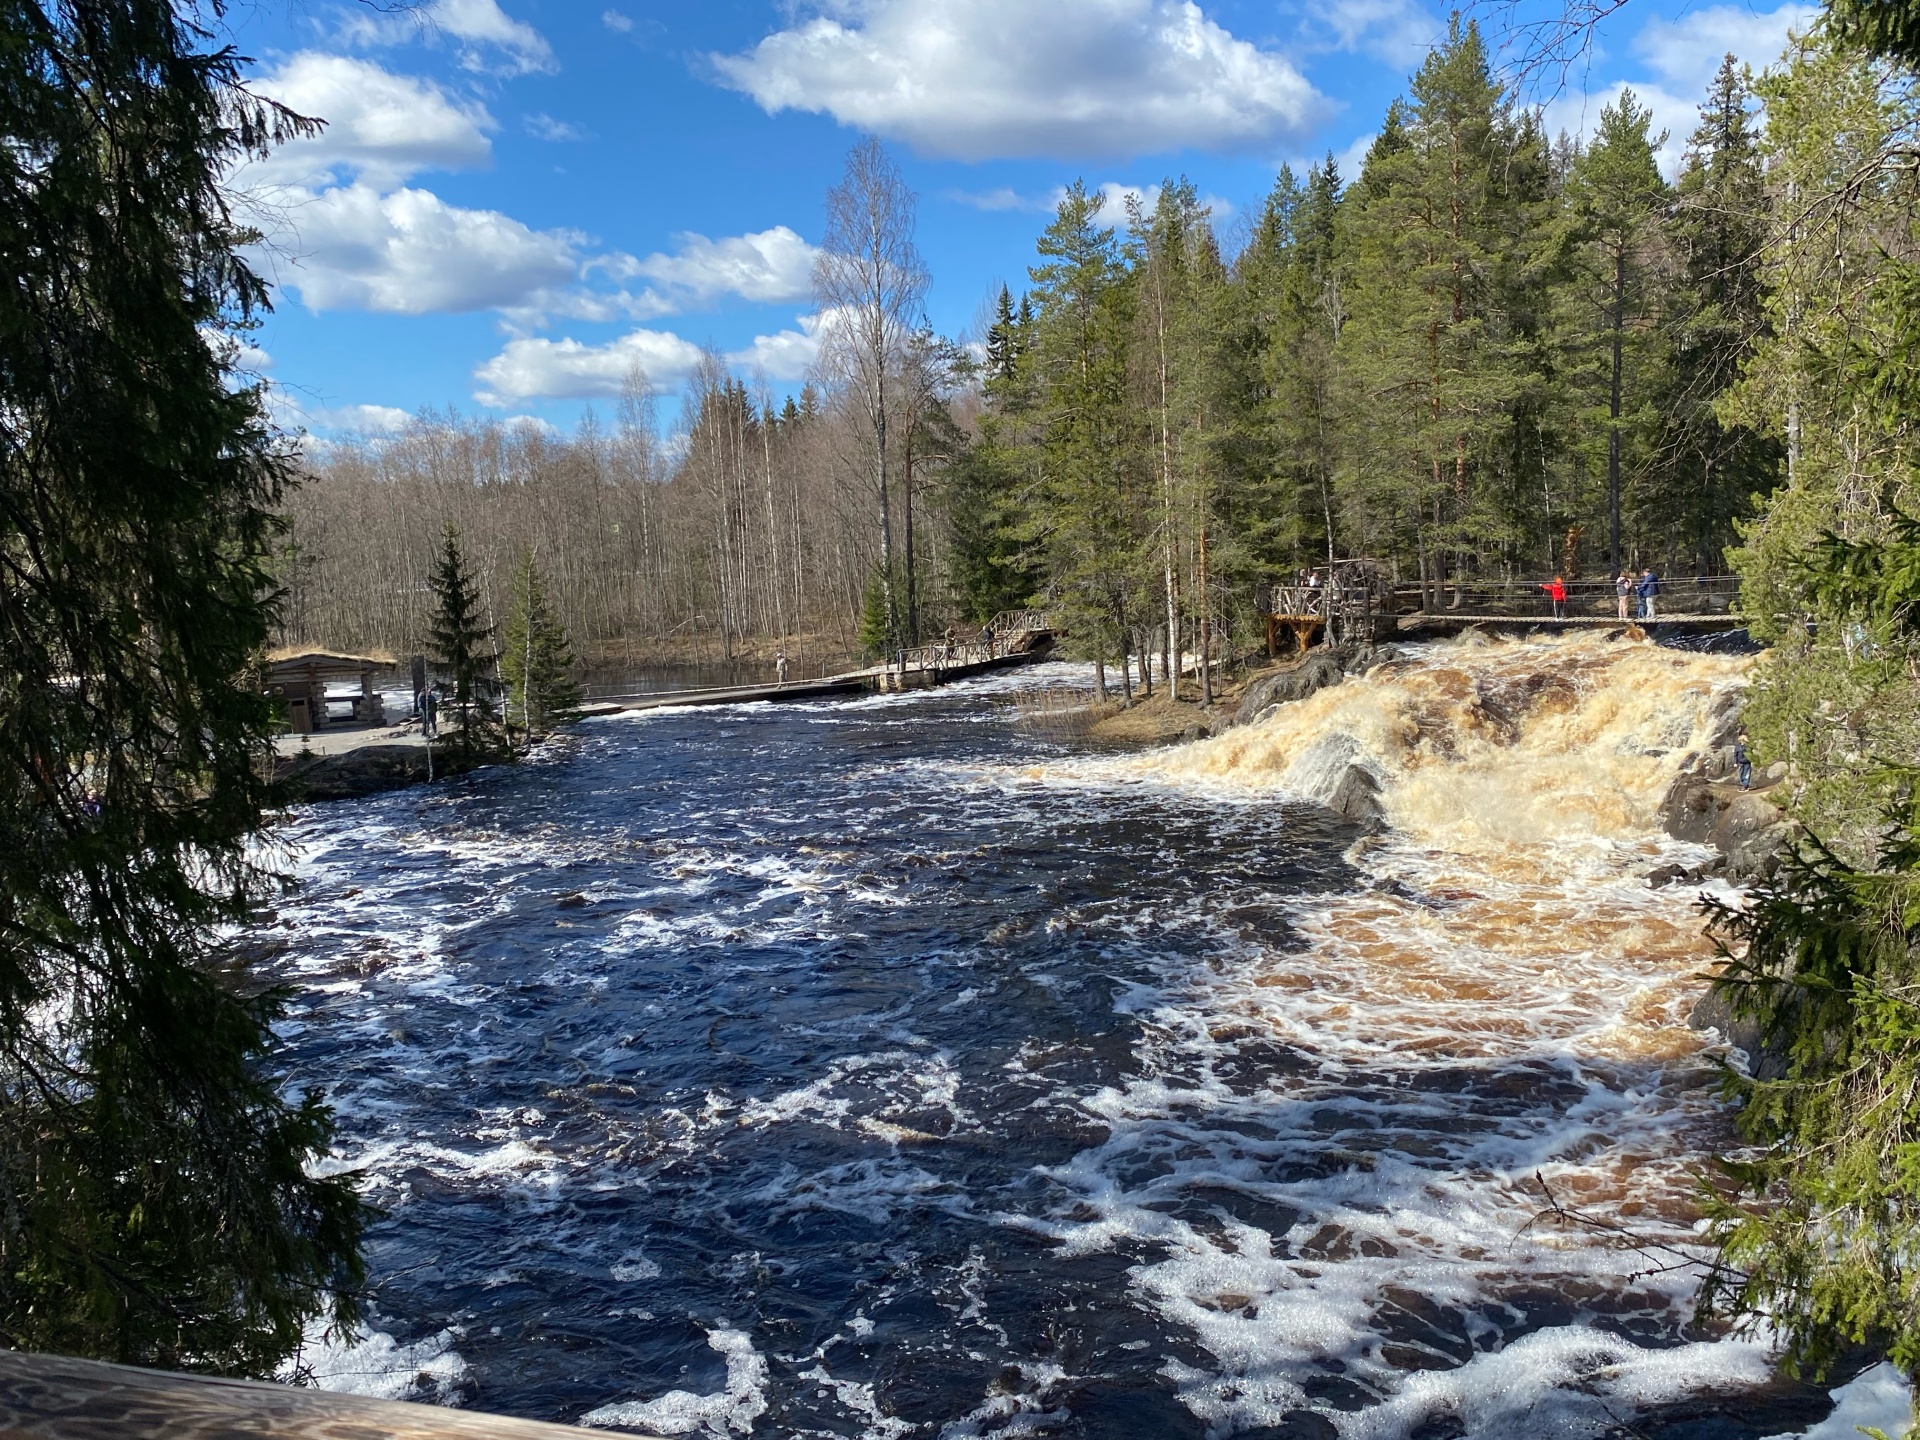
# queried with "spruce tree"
point(156, 1202)
point(463, 649)
point(537, 661)
point(1715, 314)
point(1618, 202)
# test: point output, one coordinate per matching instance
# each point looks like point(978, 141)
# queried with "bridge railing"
point(1590, 598)
point(1009, 633)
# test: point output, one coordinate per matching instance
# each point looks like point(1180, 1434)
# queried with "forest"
point(1493, 353)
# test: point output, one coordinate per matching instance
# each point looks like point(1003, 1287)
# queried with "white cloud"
point(291, 411)
point(532, 368)
point(614, 20)
point(545, 127)
point(1683, 56)
point(529, 369)
point(493, 41)
point(1400, 32)
point(1686, 52)
point(765, 266)
point(410, 253)
point(1001, 199)
point(381, 127)
point(974, 79)
point(785, 355)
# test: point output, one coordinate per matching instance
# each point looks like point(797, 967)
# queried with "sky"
point(514, 201)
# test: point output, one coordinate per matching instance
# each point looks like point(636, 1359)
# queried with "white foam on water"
point(724, 1413)
point(379, 1366)
point(1877, 1399)
point(1502, 1003)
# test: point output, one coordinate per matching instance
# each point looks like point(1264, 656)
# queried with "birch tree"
point(870, 284)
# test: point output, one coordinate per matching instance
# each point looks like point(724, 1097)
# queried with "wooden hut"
point(299, 680)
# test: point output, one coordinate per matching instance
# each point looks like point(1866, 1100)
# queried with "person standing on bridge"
point(1649, 587)
point(1622, 588)
point(1556, 589)
point(780, 668)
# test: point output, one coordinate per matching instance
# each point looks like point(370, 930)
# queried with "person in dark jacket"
point(1648, 588)
point(1743, 760)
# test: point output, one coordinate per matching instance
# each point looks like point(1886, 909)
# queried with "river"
point(886, 1069)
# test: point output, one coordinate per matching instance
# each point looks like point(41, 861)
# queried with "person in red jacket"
point(1556, 589)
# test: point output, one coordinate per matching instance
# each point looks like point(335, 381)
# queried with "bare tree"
point(870, 283)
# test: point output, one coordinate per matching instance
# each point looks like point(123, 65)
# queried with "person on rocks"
point(1556, 589)
point(430, 712)
point(1743, 760)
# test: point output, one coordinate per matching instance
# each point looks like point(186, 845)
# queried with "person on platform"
point(1556, 589)
point(780, 667)
point(1622, 588)
point(1649, 588)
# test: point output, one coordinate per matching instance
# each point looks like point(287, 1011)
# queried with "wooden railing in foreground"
point(52, 1397)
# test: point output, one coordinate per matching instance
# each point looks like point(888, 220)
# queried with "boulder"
point(1357, 797)
point(1748, 829)
point(1314, 673)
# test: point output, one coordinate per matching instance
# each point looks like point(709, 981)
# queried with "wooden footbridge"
point(1354, 599)
point(1011, 639)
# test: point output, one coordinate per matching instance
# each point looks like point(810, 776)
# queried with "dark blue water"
point(821, 1071)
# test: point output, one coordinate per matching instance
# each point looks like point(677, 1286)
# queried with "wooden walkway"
point(50, 1397)
point(1010, 640)
point(1448, 620)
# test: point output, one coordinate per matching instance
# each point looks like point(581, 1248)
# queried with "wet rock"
point(1357, 797)
point(1749, 830)
point(367, 771)
point(1714, 1011)
point(1668, 875)
point(1319, 670)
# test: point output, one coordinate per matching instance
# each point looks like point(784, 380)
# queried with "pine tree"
point(156, 1205)
point(537, 662)
point(463, 649)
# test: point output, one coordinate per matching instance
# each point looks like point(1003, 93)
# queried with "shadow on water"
point(810, 1071)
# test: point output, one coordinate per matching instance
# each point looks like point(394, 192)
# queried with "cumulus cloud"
point(787, 354)
point(532, 368)
point(974, 79)
point(489, 39)
point(381, 127)
point(765, 266)
point(1682, 56)
point(408, 252)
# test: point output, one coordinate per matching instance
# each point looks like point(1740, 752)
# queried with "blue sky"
point(516, 200)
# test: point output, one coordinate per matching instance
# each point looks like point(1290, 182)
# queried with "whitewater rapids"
point(884, 1069)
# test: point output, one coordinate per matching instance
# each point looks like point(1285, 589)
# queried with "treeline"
point(1494, 354)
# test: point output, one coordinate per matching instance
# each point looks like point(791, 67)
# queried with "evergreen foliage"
point(536, 661)
point(156, 1205)
point(463, 650)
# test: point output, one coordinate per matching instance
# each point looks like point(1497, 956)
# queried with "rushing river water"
point(882, 1069)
